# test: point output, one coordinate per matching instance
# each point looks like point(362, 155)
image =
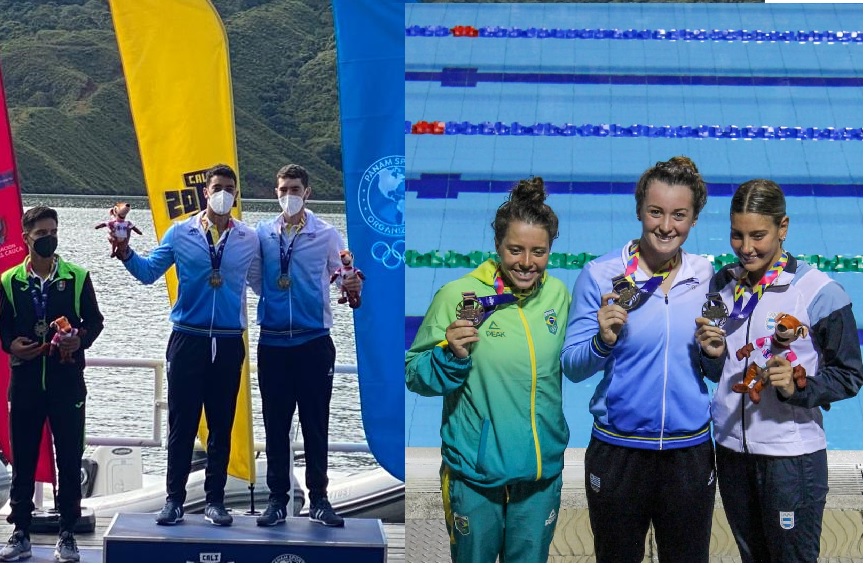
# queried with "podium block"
point(136, 538)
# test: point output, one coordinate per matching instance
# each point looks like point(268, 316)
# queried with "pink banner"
point(12, 252)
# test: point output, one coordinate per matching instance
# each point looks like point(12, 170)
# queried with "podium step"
point(48, 522)
point(135, 538)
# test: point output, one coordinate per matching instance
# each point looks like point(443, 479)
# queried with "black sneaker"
point(217, 515)
point(66, 550)
point(272, 515)
point(170, 514)
point(18, 547)
point(321, 511)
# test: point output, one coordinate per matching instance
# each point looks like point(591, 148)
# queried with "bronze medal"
point(41, 328)
point(215, 278)
point(629, 295)
point(471, 309)
point(715, 309)
point(284, 281)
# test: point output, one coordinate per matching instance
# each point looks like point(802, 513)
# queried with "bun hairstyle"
point(526, 204)
point(760, 196)
point(677, 170)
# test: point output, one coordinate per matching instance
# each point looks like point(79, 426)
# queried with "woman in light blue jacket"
point(650, 448)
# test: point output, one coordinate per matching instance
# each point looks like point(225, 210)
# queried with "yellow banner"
point(175, 60)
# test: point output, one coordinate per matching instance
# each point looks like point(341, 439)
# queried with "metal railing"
point(160, 405)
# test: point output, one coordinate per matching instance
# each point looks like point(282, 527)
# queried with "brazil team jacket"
point(291, 316)
point(830, 355)
point(202, 309)
point(70, 294)
point(652, 394)
point(502, 419)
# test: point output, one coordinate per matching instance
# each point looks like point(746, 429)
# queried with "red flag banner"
point(12, 252)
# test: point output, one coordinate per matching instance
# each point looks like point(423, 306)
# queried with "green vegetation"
point(69, 110)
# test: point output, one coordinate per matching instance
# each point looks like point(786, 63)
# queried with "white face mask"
point(291, 204)
point(221, 202)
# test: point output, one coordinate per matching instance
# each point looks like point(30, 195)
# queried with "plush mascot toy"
point(62, 330)
point(119, 228)
point(787, 330)
point(346, 272)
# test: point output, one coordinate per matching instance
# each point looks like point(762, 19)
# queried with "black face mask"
point(45, 246)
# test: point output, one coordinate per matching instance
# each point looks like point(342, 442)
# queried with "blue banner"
point(370, 69)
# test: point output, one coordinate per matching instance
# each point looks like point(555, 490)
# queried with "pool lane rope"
point(572, 261)
point(827, 37)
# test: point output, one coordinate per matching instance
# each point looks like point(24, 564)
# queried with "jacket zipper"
point(531, 344)
point(747, 341)
point(666, 370)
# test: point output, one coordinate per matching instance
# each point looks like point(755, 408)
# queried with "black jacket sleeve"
point(840, 372)
point(7, 322)
point(91, 317)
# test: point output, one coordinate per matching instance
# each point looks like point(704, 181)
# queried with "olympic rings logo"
point(390, 257)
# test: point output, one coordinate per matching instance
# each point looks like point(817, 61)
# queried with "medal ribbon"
point(285, 254)
point(40, 298)
point(659, 277)
point(216, 253)
point(739, 312)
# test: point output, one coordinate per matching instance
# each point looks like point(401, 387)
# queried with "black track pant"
point(29, 407)
point(629, 489)
point(303, 376)
point(774, 504)
point(195, 379)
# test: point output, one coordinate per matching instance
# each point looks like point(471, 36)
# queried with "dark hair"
point(33, 215)
point(294, 172)
point(526, 204)
point(760, 196)
point(678, 170)
point(219, 170)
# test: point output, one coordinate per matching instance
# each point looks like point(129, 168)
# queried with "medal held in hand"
point(629, 294)
point(215, 278)
point(41, 328)
point(715, 309)
point(471, 309)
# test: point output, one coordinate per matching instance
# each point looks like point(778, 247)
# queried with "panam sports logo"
point(381, 196)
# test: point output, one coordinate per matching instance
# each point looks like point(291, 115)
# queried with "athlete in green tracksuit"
point(503, 430)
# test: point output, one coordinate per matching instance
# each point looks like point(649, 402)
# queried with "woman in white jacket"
point(771, 447)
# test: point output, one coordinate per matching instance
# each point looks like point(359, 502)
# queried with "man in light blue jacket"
point(215, 255)
point(300, 252)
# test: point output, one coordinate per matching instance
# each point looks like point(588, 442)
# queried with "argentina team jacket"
point(652, 394)
point(830, 355)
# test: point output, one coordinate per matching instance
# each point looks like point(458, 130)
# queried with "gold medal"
point(715, 309)
point(471, 309)
point(215, 278)
point(629, 295)
point(41, 328)
point(284, 281)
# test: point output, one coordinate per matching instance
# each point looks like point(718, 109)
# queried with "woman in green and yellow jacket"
point(490, 344)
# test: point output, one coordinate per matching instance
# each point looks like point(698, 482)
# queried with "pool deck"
point(427, 541)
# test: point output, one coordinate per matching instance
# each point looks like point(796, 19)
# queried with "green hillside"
point(71, 123)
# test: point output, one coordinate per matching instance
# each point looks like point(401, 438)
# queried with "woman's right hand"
point(611, 318)
point(710, 337)
point(459, 335)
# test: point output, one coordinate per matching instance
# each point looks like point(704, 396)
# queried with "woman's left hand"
point(780, 374)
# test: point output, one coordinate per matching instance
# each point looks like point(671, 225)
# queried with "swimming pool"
point(590, 95)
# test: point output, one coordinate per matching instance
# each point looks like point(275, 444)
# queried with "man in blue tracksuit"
point(215, 255)
point(299, 251)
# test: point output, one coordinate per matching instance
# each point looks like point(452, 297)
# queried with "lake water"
point(136, 326)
